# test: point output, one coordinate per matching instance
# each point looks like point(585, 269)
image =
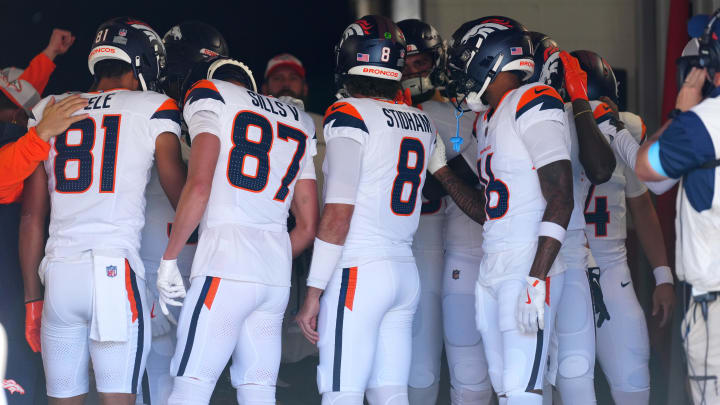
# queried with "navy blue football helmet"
point(222, 68)
point(133, 41)
point(549, 69)
point(372, 46)
point(422, 37)
point(187, 44)
point(600, 76)
point(481, 49)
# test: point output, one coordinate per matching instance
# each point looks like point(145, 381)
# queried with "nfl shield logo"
point(111, 271)
point(122, 32)
point(456, 274)
point(516, 50)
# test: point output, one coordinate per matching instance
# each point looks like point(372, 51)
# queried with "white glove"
point(170, 285)
point(292, 100)
point(437, 158)
point(531, 306)
point(159, 322)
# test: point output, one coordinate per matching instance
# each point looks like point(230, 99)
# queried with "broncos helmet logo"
point(550, 67)
point(482, 31)
point(175, 33)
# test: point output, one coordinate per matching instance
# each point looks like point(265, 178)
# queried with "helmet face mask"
point(483, 48)
point(210, 68)
point(134, 42)
point(422, 38)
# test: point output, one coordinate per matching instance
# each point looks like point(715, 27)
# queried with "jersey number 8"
point(244, 147)
point(407, 174)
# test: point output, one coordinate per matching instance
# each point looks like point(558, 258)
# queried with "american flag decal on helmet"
point(516, 50)
point(363, 57)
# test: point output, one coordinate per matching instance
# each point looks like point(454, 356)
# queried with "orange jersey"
point(17, 162)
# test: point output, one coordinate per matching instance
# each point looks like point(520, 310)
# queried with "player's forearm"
point(647, 226)
point(470, 200)
point(335, 223)
point(557, 189)
point(305, 208)
point(193, 202)
point(596, 156)
point(30, 246)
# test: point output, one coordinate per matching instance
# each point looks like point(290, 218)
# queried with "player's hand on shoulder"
point(57, 117)
point(308, 315)
point(170, 285)
point(530, 313)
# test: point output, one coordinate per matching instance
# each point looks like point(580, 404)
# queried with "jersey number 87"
point(260, 150)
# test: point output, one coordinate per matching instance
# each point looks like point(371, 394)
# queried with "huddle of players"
point(514, 291)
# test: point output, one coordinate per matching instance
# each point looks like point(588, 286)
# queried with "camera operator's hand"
point(60, 42)
point(691, 92)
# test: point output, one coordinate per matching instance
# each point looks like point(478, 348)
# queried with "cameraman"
point(688, 148)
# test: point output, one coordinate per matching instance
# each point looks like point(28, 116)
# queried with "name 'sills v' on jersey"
point(265, 147)
point(397, 141)
point(514, 201)
point(98, 169)
point(605, 205)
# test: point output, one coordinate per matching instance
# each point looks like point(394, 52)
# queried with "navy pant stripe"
point(140, 334)
point(146, 389)
point(193, 326)
point(536, 362)
point(337, 359)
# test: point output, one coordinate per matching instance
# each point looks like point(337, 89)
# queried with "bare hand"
point(663, 300)
point(307, 318)
point(60, 42)
point(57, 117)
point(691, 92)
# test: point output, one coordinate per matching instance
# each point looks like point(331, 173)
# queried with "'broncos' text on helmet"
point(188, 43)
point(372, 46)
point(548, 66)
point(133, 41)
point(422, 37)
point(600, 76)
point(481, 49)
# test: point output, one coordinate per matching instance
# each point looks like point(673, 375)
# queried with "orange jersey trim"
point(535, 93)
point(601, 110)
point(345, 108)
point(168, 105)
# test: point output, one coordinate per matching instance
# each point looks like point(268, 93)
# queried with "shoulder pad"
point(203, 89)
point(344, 114)
point(167, 110)
point(544, 96)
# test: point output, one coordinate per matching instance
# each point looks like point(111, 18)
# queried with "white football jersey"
point(432, 230)
point(397, 141)
point(265, 147)
point(605, 207)
point(159, 215)
point(98, 169)
point(514, 201)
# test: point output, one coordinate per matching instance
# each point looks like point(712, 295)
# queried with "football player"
point(377, 152)
point(452, 274)
point(93, 184)
point(572, 350)
point(251, 162)
point(622, 336)
point(525, 202)
point(187, 44)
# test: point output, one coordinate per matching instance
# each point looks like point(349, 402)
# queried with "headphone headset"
point(707, 53)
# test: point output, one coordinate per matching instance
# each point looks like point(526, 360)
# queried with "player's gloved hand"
point(170, 285)
point(531, 306)
point(575, 77)
point(160, 323)
point(33, 316)
point(437, 158)
point(292, 100)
